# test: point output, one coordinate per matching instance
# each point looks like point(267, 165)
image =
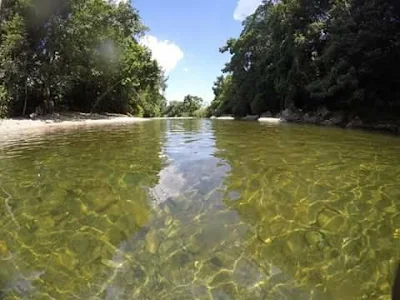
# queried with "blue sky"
point(185, 37)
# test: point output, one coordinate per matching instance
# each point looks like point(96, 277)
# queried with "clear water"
point(192, 209)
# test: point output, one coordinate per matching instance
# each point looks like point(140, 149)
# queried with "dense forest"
point(85, 55)
point(307, 54)
point(81, 55)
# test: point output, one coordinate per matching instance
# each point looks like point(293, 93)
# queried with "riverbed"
point(199, 209)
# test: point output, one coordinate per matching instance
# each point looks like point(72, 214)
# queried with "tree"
point(362, 45)
point(312, 53)
point(76, 55)
point(191, 106)
point(13, 57)
point(223, 95)
point(174, 109)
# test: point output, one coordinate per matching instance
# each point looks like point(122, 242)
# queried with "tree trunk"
point(26, 90)
point(26, 97)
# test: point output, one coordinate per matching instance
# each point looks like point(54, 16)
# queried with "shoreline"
point(20, 128)
point(379, 127)
point(340, 119)
point(67, 120)
point(325, 118)
point(17, 129)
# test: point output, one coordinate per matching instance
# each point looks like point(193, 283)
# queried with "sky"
point(185, 36)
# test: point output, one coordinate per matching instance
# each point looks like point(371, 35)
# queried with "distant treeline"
point(81, 55)
point(190, 107)
point(306, 54)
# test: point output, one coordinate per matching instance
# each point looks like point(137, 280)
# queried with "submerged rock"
point(23, 284)
point(330, 220)
point(3, 248)
point(152, 241)
point(314, 238)
point(295, 243)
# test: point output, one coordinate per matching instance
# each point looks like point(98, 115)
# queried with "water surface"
point(191, 209)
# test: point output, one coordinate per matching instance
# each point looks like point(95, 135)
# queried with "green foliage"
point(191, 104)
point(4, 102)
point(312, 53)
point(201, 113)
point(77, 55)
point(223, 92)
point(190, 107)
point(174, 109)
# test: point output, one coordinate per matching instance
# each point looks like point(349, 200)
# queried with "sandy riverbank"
point(18, 128)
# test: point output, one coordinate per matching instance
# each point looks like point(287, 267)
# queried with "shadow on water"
point(191, 209)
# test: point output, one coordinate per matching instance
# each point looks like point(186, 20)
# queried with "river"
point(200, 209)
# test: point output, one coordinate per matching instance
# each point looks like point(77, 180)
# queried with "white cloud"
point(165, 52)
point(244, 8)
point(118, 1)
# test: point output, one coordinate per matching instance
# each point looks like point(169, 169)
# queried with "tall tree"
point(312, 53)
